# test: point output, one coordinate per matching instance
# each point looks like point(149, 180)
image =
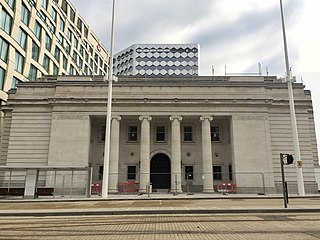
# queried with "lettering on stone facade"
point(250, 118)
point(70, 117)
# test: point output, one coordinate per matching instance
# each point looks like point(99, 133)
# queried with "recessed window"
point(64, 62)
point(48, 43)
point(187, 133)
point(188, 172)
point(54, 15)
point(57, 54)
point(33, 73)
point(230, 173)
point(10, 3)
point(55, 69)
point(44, 4)
point(14, 82)
point(62, 24)
point(25, 15)
point(2, 77)
point(64, 6)
point(215, 134)
point(217, 173)
point(160, 134)
point(35, 51)
point(22, 38)
point(19, 63)
point(4, 47)
point(5, 22)
point(46, 63)
point(132, 173)
point(133, 133)
point(37, 30)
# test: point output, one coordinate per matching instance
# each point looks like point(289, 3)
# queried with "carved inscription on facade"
point(70, 117)
point(250, 118)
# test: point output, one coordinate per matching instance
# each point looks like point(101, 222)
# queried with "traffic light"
point(289, 159)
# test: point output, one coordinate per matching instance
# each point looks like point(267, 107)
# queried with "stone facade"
point(181, 134)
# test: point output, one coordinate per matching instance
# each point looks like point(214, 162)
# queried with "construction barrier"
point(128, 187)
point(96, 188)
point(226, 188)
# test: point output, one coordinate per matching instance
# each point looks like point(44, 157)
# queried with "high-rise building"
point(44, 37)
point(158, 60)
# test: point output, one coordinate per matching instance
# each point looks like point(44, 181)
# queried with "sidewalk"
point(158, 204)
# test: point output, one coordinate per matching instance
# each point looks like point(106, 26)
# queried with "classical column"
point(145, 152)
point(206, 154)
point(175, 154)
point(114, 154)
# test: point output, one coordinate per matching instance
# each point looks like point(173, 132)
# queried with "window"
point(48, 42)
point(19, 64)
point(35, 51)
point(230, 173)
point(64, 6)
point(79, 24)
point(61, 39)
point(187, 134)
point(71, 70)
point(33, 73)
point(64, 62)
point(188, 172)
point(86, 32)
point(54, 15)
point(75, 42)
point(86, 69)
point(133, 133)
point(10, 3)
point(160, 133)
point(2, 77)
point(68, 48)
point(6, 22)
point(81, 50)
point(57, 54)
point(69, 34)
point(62, 24)
point(42, 16)
point(80, 63)
point(217, 174)
point(44, 4)
point(25, 14)
point(75, 56)
point(22, 38)
point(132, 172)
point(37, 30)
point(14, 83)
point(72, 15)
point(215, 134)
point(52, 28)
point(46, 63)
point(55, 69)
point(4, 47)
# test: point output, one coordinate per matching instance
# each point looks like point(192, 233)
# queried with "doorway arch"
point(160, 172)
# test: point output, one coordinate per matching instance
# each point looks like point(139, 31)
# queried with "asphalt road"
point(293, 226)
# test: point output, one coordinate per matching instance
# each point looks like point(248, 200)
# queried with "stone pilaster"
point(175, 153)
point(207, 154)
point(145, 152)
point(114, 154)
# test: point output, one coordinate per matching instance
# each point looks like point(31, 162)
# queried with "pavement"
point(158, 204)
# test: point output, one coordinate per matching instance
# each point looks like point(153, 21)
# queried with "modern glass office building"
point(45, 37)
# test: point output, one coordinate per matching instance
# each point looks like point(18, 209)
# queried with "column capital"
point(116, 118)
point(149, 118)
point(171, 118)
point(204, 117)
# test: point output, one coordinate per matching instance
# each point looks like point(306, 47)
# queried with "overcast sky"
point(235, 33)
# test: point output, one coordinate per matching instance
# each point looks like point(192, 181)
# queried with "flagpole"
point(300, 182)
point(106, 160)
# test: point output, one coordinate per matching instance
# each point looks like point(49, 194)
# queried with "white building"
point(180, 134)
point(158, 60)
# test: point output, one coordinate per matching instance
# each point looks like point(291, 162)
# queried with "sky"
point(237, 34)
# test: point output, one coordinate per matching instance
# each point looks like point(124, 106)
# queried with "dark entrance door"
point(160, 172)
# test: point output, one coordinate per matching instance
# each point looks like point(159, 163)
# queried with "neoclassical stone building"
point(180, 134)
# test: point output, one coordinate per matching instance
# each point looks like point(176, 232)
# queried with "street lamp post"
point(105, 181)
point(300, 182)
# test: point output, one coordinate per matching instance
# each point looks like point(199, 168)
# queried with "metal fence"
point(45, 182)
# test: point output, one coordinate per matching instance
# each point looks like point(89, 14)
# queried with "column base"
point(178, 191)
point(208, 190)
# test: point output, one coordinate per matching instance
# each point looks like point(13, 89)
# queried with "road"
point(299, 226)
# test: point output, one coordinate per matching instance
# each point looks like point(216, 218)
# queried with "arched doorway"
point(160, 172)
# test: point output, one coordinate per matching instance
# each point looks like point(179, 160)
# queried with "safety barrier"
point(128, 187)
point(226, 188)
